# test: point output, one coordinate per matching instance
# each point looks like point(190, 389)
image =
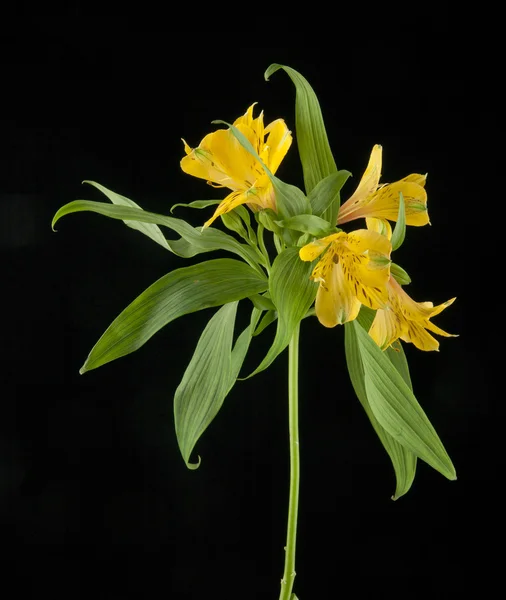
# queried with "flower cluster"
point(353, 268)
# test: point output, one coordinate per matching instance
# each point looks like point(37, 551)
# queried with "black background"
point(94, 496)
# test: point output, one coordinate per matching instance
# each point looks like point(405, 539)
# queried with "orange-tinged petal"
point(385, 203)
point(335, 302)
point(279, 140)
point(367, 186)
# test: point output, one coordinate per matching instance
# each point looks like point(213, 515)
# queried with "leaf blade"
point(193, 241)
point(180, 292)
point(396, 408)
point(292, 293)
point(206, 381)
point(314, 148)
point(403, 460)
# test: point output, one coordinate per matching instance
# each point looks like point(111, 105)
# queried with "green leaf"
point(326, 197)
point(205, 382)
point(149, 229)
point(403, 460)
point(312, 224)
point(396, 408)
point(211, 374)
point(196, 204)
point(178, 293)
point(269, 317)
point(292, 292)
point(399, 232)
point(399, 274)
point(314, 149)
point(395, 352)
point(193, 241)
point(242, 345)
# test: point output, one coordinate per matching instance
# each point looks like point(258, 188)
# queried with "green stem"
point(293, 502)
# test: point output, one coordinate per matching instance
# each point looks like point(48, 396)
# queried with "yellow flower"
point(354, 270)
point(382, 201)
point(406, 319)
point(223, 162)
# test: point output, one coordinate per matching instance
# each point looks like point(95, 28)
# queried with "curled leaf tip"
point(194, 466)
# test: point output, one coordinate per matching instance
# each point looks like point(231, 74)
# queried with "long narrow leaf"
point(178, 293)
point(403, 460)
point(211, 374)
point(396, 408)
point(292, 292)
point(314, 149)
point(149, 229)
point(193, 241)
point(205, 382)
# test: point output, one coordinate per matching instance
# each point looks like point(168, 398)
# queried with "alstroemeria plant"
point(343, 277)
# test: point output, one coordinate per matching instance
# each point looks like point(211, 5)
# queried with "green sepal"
point(399, 274)
point(233, 221)
point(399, 232)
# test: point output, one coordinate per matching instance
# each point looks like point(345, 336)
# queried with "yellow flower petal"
point(416, 178)
point(418, 336)
point(311, 251)
point(246, 118)
point(380, 226)
point(229, 203)
point(408, 320)
point(279, 140)
point(385, 203)
point(387, 327)
point(335, 302)
point(362, 240)
point(435, 329)
point(367, 186)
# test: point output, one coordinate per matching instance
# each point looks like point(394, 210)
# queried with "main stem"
point(293, 502)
